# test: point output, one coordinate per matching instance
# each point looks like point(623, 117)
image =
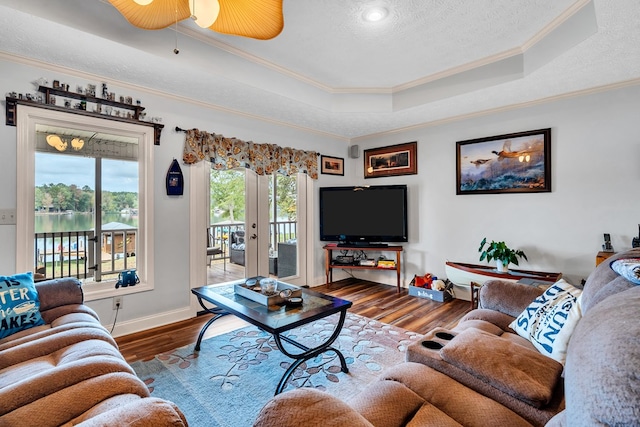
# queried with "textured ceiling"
point(329, 42)
point(331, 72)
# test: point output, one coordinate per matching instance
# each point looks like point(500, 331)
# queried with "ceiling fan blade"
point(157, 15)
point(257, 19)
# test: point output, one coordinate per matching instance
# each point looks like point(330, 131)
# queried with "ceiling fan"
point(257, 19)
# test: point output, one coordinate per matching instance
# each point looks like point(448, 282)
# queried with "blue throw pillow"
point(19, 304)
point(629, 268)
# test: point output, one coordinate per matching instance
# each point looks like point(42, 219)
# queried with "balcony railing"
point(73, 253)
point(218, 235)
point(282, 231)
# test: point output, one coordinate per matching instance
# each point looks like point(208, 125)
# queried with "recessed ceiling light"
point(375, 14)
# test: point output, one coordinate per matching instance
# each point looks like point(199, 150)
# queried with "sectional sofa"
point(483, 373)
point(67, 370)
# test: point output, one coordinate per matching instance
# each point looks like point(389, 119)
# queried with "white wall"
point(595, 185)
point(170, 300)
point(595, 180)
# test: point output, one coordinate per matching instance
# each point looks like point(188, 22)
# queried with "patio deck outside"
point(72, 253)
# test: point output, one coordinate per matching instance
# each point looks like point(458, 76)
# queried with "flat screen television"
point(363, 215)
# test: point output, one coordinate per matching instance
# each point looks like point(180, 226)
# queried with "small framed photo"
point(332, 165)
point(91, 90)
point(393, 160)
point(513, 163)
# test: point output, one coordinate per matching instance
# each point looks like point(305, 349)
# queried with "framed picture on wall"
point(512, 163)
point(393, 160)
point(331, 165)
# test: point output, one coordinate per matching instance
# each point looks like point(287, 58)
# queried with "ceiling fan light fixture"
point(143, 2)
point(204, 12)
point(375, 14)
point(262, 20)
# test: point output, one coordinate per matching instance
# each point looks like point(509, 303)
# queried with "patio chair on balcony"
point(212, 250)
point(236, 249)
point(287, 259)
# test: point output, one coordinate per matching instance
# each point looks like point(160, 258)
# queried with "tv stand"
point(330, 264)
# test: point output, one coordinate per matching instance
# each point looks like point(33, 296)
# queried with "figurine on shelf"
point(105, 91)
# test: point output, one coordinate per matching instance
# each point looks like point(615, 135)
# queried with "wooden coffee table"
point(276, 319)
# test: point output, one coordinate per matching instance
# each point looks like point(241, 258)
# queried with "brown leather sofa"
point(69, 371)
point(598, 386)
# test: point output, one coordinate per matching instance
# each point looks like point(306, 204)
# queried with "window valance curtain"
point(264, 159)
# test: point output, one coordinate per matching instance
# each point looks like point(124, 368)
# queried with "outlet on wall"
point(117, 303)
point(8, 216)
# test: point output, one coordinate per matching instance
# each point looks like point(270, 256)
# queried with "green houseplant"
point(500, 252)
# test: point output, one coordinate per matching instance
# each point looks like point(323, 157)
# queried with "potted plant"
point(500, 252)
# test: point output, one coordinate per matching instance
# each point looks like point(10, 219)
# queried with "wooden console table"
point(474, 276)
point(602, 255)
point(330, 263)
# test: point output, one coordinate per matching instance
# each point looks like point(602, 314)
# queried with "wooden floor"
point(373, 300)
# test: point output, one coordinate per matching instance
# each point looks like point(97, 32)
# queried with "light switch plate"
point(7, 216)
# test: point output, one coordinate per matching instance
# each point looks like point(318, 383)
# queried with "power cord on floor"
point(115, 319)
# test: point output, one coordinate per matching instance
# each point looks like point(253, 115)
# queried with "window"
point(84, 199)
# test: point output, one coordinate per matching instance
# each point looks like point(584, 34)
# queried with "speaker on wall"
point(354, 151)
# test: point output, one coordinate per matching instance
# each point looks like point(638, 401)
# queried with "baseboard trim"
point(149, 322)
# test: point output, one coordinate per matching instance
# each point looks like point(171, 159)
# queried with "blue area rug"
point(235, 374)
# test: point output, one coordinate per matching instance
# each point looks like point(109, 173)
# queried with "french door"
point(270, 232)
point(276, 226)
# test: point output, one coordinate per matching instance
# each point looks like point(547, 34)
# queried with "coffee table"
point(276, 319)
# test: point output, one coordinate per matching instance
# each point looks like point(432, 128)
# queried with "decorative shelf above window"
point(132, 116)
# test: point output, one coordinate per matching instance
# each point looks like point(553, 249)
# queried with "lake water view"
point(59, 222)
point(63, 256)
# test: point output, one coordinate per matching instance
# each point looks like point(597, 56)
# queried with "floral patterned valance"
point(264, 159)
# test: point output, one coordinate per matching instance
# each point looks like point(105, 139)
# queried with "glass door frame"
point(256, 212)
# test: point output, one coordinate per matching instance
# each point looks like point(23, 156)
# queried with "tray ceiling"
point(331, 72)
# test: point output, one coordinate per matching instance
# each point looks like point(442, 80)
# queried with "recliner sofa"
point(69, 371)
point(598, 385)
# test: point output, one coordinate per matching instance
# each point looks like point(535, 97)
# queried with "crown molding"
point(90, 76)
point(556, 23)
point(440, 122)
point(95, 77)
point(519, 50)
point(198, 35)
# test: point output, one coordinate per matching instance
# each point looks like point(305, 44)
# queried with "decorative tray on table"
point(251, 289)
